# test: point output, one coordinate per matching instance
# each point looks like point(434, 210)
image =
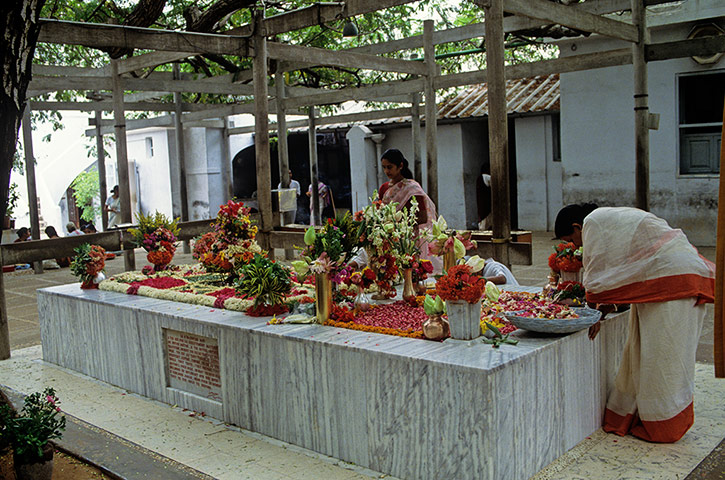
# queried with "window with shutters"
point(701, 98)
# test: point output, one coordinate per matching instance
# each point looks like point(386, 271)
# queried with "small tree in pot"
point(29, 431)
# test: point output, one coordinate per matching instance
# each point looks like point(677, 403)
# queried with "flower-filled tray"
point(586, 318)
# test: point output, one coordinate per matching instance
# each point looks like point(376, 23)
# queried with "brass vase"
point(323, 296)
point(449, 260)
point(408, 291)
point(436, 328)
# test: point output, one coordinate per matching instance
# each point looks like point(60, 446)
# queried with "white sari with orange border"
point(632, 256)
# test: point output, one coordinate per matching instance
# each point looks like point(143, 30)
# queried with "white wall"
point(153, 169)
point(538, 175)
point(597, 135)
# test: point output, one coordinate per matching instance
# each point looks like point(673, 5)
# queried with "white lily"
point(476, 263)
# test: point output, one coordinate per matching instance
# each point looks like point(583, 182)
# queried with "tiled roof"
point(525, 95)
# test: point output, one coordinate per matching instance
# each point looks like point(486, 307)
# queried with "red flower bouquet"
point(421, 270)
point(566, 258)
point(363, 279)
point(460, 283)
point(88, 265)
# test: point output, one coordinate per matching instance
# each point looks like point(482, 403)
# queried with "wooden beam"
point(704, 46)
point(153, 59)
point(571, 17)
point(314, 15)
point(641, 107)
point(366, 92)
point(139, 84)
point(261, 136)
point(178, 163)
point(315, 211)
point(107, 129)
point(124, 184)
point(30, 181)
point(332, 119)
point(96, 35)
point(101, 161)
point(498, 131)
point(107, 106)
point(431, 113)
point(415, 137)
point(342, 58)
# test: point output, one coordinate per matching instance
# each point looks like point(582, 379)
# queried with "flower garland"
point(460, 283)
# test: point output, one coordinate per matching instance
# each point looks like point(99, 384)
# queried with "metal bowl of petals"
point(586, 317)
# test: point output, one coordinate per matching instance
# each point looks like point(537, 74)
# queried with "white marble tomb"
point(411, 408)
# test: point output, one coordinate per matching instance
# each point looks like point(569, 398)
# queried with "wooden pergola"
point(253, 40)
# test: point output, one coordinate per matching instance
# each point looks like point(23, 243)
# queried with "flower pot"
point(436, 328)
point(323, 296)
point(449, 260)
point(570, 276)
point(464, 319)
point(419, 288)
point(35, 468)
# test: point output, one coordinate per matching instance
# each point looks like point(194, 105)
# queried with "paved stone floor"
point(224, 451)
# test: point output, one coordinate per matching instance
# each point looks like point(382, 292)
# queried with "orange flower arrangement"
point(460, 283)
point(370, 328)
point(566, 258)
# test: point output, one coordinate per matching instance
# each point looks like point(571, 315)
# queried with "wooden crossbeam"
point(365, 92)
point(138, 84)
point(118, 36)
point(107, 106)
point(571, 17)
point(703, 46)
point(332, 119)
point(319, 56)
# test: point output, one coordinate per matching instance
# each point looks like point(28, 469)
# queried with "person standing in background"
point(289, 217)
point(113, 208)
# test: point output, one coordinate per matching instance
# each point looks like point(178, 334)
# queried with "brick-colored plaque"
point(192, 363)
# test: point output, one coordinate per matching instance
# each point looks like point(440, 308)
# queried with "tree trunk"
point(19, 24)
point(144, 14)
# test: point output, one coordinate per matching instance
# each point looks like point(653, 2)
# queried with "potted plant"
point(462, 287)
point(29, 431)
point(13, 197)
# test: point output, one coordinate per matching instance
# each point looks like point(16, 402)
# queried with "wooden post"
point(30, 181)
point(314, 172)
point(261, 127)
point(282, 148)
point(431, 113)
point(641, 107)
point(498, 131)
point(719, 327)
point(180, 155)
point(415, 120)
point(101, 161)
point(119, 118)
point(4, 328)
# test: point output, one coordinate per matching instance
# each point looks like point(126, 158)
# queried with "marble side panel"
point(411, 408)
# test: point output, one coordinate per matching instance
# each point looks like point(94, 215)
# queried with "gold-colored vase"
point(449, 260)
point(408, 291)
point(323, 296)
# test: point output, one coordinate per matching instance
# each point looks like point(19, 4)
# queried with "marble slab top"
point(464, 354)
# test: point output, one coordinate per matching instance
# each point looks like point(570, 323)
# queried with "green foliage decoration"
point(268, 282)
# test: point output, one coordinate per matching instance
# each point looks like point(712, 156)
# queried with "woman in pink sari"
point(401, 188)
